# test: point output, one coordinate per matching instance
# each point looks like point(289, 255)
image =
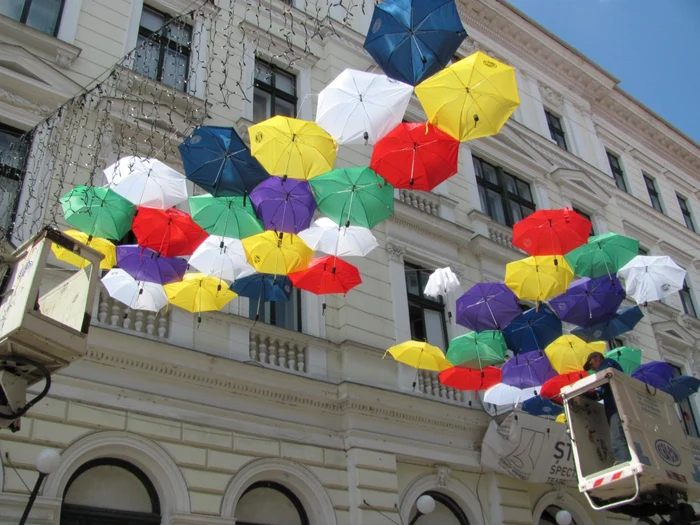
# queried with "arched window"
point(549, 516)
point(110, 491)
point(446, 512)
point(270, 503)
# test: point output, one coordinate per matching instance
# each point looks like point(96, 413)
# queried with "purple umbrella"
point(487, 306)
point(589, 301)
point(527, 370)
point(284, 205)
point(656, 374)
point(144, 264)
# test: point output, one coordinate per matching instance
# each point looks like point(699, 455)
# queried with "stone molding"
point(457, 491)
point(395, 252)
point(23, 103)
point(443, 476)
point(551, 98)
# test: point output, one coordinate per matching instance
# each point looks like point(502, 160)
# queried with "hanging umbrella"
point(655, 373)
point(419, 355)
point(278, 254)
point(629, 358)
point(441, 282)
point(561, 418)
point(538, 278)
point(354, 196)
point(218, 161)
point(589, 301)
point(682, 387)
point(326, 236)
point(487, 306)
point(541, 406)
point(147, 182)
point(624, 320)
point(221, 257)
point(472, 98)
point(292, 148)
point(143, 264)
point(137, 295)
point(551, 389)
point(199, 293)
point(359, 107)
point(99, 212)
point(527, 370)
point(651, 278)
point(412, 39)
point(461, 378)
point(169, 232)
point(326, 275)
point(551, 232)
point(505, 397)
point(477, 350)
point(284, 205)
point(415, 155)
point(103, 246)
point(533, 330)
point(568, 353)
point(263, 287)
point(225, 216)
point(603, 255)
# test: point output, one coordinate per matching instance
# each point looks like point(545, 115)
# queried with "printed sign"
point(666, 452)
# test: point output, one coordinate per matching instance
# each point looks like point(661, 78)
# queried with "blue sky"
point(652, 46)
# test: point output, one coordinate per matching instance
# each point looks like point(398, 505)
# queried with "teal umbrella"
point(98, 212)
point(477, 350)
point(602, 255)
point(226, 216)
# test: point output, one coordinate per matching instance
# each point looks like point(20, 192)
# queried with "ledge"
point(62, 54)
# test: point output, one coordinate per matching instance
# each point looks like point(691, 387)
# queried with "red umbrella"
point(170, 232)
point(468, 379)
point(551, 232)
point(552, 387)
point(327, 275)
point(415, 155)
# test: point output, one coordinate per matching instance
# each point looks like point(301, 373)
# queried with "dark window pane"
point(685, 210)
point(687, 300)
point(285, 314)
point(435, 328)
point(174, 69)
point(415, 318)
point(147, 58)
point(511, 186)
point(482, 198)
point(489, 173)
point(262, 105)
point(284, 108)
point(477, 167)
point(524, 190)
point(42, 15)
point(12, 8)
point(14, 147)
point(686, 410)
point(495, 206)
point(556, 130)
point(152, 20)
point(179, 33)
point(274, 93)
point(412, 282)
point(504, 197)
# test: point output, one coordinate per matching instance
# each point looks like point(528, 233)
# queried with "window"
point(285, 314)
point(270, 503)
point(426, 315)
point(14, 147)
point(163, 49)
point(642, 251)
point(685, 210)
point(686, 410)
point(504, 198)
point(549, 516)
point(446, 512)
point(556, 130)
point(42, 15)
point(687, 300)
point(653, 192)
point(617, 172)
point(615, 343)
point(586, 216)
point(275, 92)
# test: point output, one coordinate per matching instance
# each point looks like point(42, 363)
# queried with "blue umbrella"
point(533, 330)
point(414, 39)
point(682, 387)
point(540, 406)
point(263, 287)
point(625, 320)
point(589, 301)
point(656, 373)
point(216, 159)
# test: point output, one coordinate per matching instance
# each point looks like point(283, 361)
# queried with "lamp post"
point(424, 505)
point(47, 462)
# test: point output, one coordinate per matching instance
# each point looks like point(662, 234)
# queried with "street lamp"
point(563, 517)
point(47, 462)
point(424, 505)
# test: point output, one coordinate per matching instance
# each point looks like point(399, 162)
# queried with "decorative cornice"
point(443, 476)
point(23, 103)
point(395, 251)
point(550, 97)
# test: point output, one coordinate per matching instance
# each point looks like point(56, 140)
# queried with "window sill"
point(59, 52)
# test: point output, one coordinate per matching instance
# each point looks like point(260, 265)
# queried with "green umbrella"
point(98, 212)
point(225, 216)
point(477, 350)
point(602, 255)
point(354, 196)
point(629, 358)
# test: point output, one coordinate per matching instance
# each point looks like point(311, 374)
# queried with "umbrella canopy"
point(294, 148)
point(589, 301)
point(412, 39)
point(218, 161)
point(99, 212)
point(225, 216)
point(655, 373)
point(629, 358)
point(651, 278)
point(147, 182)
point(527, 370)
point(263, 287)
point(538, 278)
point(533, 330)
point(503, 397)
point(477, 350)
point(552, 387)
point(221, 257)
point(199, 293)
point(326, 236)
point(359, 107)
point(472, 98)
point(415, 155)
point(420, 355)
point(143, 264)
point(603, 255)
point(682, 387)
point(169, 232)
point(624, 320)
point(487, 306)
point(137, 295)
point(461, 378)
point(568, 353)
point(103, 246)
point(551, 232)
point(354, 196)
point(441, 282)
point(326, 275)
point(541, 406)
point(561, 418)
point(278, 254)
point(284, 205)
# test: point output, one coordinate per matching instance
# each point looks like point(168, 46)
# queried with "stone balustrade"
point(423, 201)
point(501, 235)
point(277, 351)
point(115, 315)
point(429, 384)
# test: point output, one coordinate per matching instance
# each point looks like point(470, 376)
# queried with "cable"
point(47, 385)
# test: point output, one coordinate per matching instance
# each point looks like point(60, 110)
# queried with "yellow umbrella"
point(538, 278)
point(568, 353)
point(422, 356)
point(199, 293)
point(561, 418)
point(472, 98)
point(103, 246)
point(277, 253)
point(294, 148)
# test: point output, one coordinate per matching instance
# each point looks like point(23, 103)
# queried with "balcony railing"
point(113, 314)
point(277, 351)
point(421, 200)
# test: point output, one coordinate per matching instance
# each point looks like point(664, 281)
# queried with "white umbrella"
point(651, 278)
point(326, 236)
point(503, 398)
point(222, 257)
point(138, 295)
point(441, 282)
point(358, 107)
point(147, 182)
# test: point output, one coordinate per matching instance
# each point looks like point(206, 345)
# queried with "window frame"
point(686, 407)
point(15, 174)
point(424, 303)
point(556, 129)
point(586, 216)
point(26, 8)
point(687, 302)
point(271, 89)
point(298, 324)
point(653, 191)
point(303, 516)
point(617, 172)
point(686, 213)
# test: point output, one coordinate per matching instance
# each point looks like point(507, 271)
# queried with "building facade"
point(296, 419)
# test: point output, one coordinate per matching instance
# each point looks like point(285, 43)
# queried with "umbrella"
point(506, 397)
point(170, 232)
point(651, 278)
point(221, 257)
point(415, 155)
point(472, 98)
point(354, 196)
point(541, 406)
point(359, 107)
point(199, 293)
point(293, 148)
point(629, 358)
point(99, 212)
point(527, 370)
point(278, 254)
point(487, 306)
point(682, 387)
point(103, 246)
point(655, 373)
point(461, 378)
point(419, 355)
point(225, 216)
point(551, 232)
point(326, 275)
point(568, 353)
point(263, 287)
point(147, 182)
point(538, 278)
point(589, 301)
point(441, 282)
point(561, 418)
point(143, 264)
point(624, 320)
point(533, 330)
point(552, 387)
point(284, 205)
point(602, 255)
point(413, 39)
point(326, 236)
point(137, 295)
point(477, 350)
point(218, 161)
